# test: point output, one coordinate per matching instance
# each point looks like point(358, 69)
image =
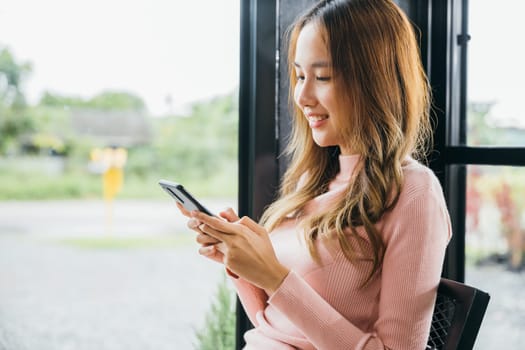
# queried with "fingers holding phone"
point(186, 203)
point(229, 215)
point(183, 210)
point(205, 239)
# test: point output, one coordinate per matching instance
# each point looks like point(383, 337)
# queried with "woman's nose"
point(305, 95)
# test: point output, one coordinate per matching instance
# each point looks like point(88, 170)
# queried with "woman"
point(350, 255)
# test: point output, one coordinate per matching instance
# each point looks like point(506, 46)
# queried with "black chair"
point(457, 316)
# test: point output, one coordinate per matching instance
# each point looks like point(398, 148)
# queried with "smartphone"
point(179, 193)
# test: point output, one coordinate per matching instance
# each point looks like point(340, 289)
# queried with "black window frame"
point(258, 168)
point(448, 53)
point(443, 34)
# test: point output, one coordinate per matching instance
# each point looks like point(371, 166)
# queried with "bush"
point(218, 332)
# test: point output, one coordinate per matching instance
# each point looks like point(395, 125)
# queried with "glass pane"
point(98, 101)
point(495, 113)
point(495, 251)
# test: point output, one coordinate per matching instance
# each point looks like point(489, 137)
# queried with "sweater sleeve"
point(411, 271)
point(252, 298)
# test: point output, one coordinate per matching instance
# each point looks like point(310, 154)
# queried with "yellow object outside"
point(113, 179)
point(109, 162)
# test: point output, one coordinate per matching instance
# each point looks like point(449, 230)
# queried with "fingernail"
point(231, 274)
point(207, 250)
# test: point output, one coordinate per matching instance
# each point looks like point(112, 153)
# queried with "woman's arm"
point(253, 299)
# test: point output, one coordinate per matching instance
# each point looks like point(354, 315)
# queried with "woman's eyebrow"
point(319, 64)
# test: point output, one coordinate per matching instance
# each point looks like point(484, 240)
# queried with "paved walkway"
point(59, 296)
point(89, 218)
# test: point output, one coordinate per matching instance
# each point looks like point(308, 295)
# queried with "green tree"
point(117, 100)
point(479, 132)
point(201, 144)
point(14, 119)
point(11, 76)
point(482, 131)
point(108, 100)
point(49, 99)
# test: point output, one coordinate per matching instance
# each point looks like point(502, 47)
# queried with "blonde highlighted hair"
point(376, 66)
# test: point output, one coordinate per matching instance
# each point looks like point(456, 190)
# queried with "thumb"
point(229, 215)
point(252, 225)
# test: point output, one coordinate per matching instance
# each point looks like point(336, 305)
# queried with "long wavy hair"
point(378, 71)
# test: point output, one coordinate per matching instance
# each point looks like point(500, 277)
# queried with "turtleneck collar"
point(347, 164)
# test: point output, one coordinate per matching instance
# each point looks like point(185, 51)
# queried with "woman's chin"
point(323, 143)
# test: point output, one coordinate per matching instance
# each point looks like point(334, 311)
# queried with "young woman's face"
point(315, 92)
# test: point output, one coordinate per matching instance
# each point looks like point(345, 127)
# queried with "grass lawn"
point(34, 186)
point(161, 242)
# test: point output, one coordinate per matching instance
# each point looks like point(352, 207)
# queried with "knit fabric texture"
point(325, 306)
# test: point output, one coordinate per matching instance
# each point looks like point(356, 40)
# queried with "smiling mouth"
point(316, 121)
point(317, 118)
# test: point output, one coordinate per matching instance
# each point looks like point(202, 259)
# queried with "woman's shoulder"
point(421, 201)
point(419, 179)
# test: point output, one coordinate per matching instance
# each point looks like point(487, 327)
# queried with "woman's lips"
point(316, 121)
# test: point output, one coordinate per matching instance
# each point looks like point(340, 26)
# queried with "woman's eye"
point(323, 78)
point(300, 77)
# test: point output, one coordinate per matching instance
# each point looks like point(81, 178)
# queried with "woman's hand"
point(246, 249)
point(207, 242)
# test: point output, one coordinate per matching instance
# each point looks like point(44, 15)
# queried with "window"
point(496, 73)
point(98, 101)
point(477, 137)
point(479, 156)
point(495, 226)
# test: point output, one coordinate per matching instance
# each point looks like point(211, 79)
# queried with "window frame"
point(448, 30)
point(258, 168)
point(443, 30)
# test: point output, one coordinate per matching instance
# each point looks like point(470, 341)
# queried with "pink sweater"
point(323, 306)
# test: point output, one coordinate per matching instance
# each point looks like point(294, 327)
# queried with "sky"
point(184, 51)
point(169, 52)
point(496, 56)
